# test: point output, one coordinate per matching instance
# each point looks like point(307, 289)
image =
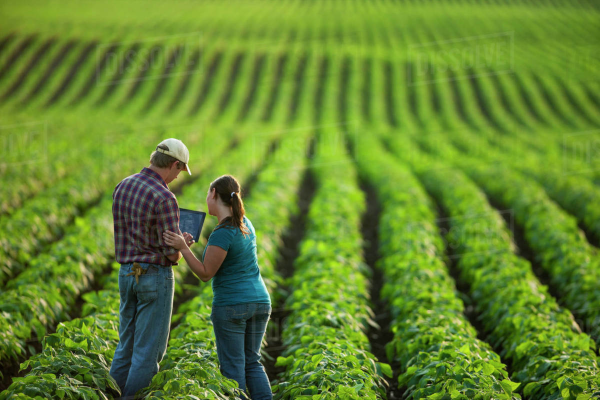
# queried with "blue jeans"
point(239, 330)
point(145, 319)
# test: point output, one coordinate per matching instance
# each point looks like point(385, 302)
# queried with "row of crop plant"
point(562, 147)
point(35, 159)
point(44, 218)
point(560, 246)
point(438, 349)
point(566, 183)
point(327, 350)
point(548, 354)
point(488, 102)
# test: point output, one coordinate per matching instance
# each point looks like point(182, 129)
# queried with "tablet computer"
point(191, 221)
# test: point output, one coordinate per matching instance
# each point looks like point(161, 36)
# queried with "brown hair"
point(162, 160)
point(225, 185)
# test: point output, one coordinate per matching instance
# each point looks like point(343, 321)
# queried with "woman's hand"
point(189, 239)
point(179, 242)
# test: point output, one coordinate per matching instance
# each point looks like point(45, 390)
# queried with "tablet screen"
point(191, 221)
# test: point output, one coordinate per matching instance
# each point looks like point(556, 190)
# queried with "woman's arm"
point(213, 258)
point(212, 262)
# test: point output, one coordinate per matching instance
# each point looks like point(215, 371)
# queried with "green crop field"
point(423, 176)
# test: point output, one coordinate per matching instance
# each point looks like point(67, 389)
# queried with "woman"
point(241, 303)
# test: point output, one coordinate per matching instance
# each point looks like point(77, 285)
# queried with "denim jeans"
point(145, 319)
point(239, 330)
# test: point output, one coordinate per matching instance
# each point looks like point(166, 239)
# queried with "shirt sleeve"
point(115, 190)
point(250, 226)
point(221, 237)
point(167, 219)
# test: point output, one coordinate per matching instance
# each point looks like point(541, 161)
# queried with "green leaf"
point(488, 369)
point(284, 361)
point(529, 388)
point(559, 382)
point(358, 387)
point(513, 385)
point(76, 345)
point(509, 386)
point(386, 369)
point(576, 390)
point(584, 396)
point(316, 359)
point(465, 349)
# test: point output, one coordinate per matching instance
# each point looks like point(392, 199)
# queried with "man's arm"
point(168, 220)
point(174, 257)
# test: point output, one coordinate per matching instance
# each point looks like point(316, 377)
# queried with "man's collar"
point(154, 174)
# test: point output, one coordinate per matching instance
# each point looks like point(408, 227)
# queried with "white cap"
point(177, 150)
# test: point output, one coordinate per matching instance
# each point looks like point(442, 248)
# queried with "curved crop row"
point(24, 186)
point(499, 106)
point(574, 193)
point(327, 354)
point(61, 162)
point(35, 162)
point(46, 292)
point(435, 344)
point(46, 142)
point(559, 174)
point(540, 101)
point(547, 353)
point(75, 361)
point(26, 67)
point(561, 247)
point(579, 197)
point(44, 217)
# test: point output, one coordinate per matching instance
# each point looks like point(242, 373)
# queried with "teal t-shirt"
point(238, 280)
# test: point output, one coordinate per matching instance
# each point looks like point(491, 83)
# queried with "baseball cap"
point(177, 150)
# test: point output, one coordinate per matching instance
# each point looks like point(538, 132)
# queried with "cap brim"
point(187, 168)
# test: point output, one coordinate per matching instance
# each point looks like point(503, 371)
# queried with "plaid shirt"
point(143, 208)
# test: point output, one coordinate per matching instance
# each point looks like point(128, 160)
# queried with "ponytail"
point(228, 189)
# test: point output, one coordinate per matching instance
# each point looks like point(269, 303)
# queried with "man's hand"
point(176, 241)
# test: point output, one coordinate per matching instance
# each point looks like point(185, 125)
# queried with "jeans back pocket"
point(237, 312)
point(147, 287)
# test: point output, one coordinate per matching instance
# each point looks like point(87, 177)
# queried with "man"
point(144, 208)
